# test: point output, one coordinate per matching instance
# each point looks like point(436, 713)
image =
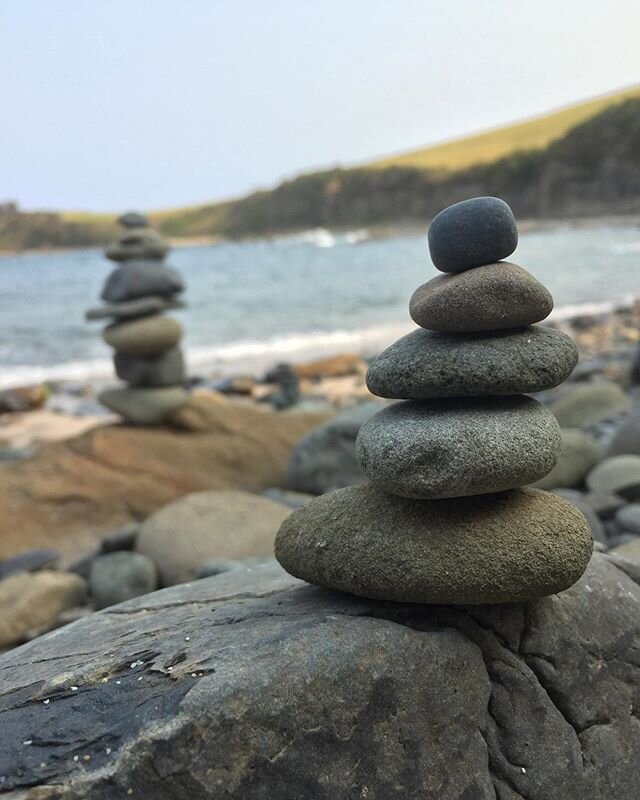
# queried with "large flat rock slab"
point(256, 685)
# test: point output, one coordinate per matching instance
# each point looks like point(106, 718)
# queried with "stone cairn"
point(444, 519)
point(146, 342)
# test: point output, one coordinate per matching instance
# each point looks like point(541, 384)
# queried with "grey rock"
point(147, 337)
point(492, 297)
point(620, 540)
point(116, 577)
point(141, 278)
point(218, 566)
point(129, 309)
point(628, 518)
point(626, 440)
point(629, 550)
point(453, 448)
point(578, 500)
point(136, 244)
point(425, 364)
point(325, 458)
point(287, 691)
point(605, 505)
point(122, 539)
point(472, 233)
point(167, 369)
point(144, 406)
point(133, 219)
point(288, 498)
point(585, 405)
point(617, 475)
point(29, 561)
point(498, 548)
point(580, 453)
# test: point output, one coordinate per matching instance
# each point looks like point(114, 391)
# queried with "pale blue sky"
point(124, 103)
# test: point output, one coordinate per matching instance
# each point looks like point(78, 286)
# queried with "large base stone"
point(252, 685)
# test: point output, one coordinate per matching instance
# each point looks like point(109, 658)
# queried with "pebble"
point(472, 233)
point(116, 577)
point(148, 336)
point(580, 453)
point(616, 475)
point(584, 406)
point(144, 406)
point(436, 449)
point(139, 279)
point(424, 364)
point(166, 369)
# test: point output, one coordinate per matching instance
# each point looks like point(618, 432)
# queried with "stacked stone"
point(147, 356)
point(445, 519)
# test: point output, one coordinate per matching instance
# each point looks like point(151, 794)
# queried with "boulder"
point(325, 458)
point(119, 576)
point(71, 493)
point(203, 526)
point(585, 405)
point(254, 685)
point(580, 453)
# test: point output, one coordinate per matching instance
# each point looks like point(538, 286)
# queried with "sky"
point(157, 104)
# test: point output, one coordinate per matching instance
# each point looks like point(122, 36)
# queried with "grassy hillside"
point(483, 148)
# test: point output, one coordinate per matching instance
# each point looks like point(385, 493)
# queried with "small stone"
point(500, 548)
point(144, 406)
point(628, 518)
point(128, 309)
point(116, 577)
point(580, 453)
point(585, 405)
point(166, 369)
point(627, 439)
point(629, 550)
point(141, 278)
point(133, 219)
point(148, 336)
point(138, 244)
point(492, 297)
point(472, 233)
point(434, 449)
point(424, 364)
point(617, 475)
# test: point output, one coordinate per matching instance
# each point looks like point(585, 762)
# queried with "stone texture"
point(452, 448)
point(425, 364)
point(141, 278)
point(472, 233)
point(116, 474)
point(325, 458)
point(581, 502)
point(492, 297)
point(144, 406)
point(206, 525)
point(34, 600)
point(287, 691)
point(148, 336)
point(586, 405)
point(580, 453)
point(120, 576)
point(627, 439)
point(617, 475)
point(166, 369)
point(140, 307)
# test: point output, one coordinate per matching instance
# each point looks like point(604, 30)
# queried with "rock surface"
point(139, 279)
point(472, 233)
point(488, 549)
point(424, 364)
point(182, 536)
point(580, 453)
point(583, 406)
point(453, 448)
point(144, 406)
point(147, 336)
point(492, 297)
point(287, 691)
point(120, 576)
point(114, 475)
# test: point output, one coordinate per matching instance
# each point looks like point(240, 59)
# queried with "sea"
point(253, 304)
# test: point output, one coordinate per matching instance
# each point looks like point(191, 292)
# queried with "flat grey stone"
point(138, 243)
point(147, 336)
point(167, 369)
point(141, 278)
point(424, 364)
point(580, 453)
point(436, 449)
point(489, 298)
point(472, 233)
point(141, 307)
point(144, 406)
point(500, 548)
point(616, 475)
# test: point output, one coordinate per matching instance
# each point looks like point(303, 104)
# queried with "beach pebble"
point(492, 297)
point(166, 369)
point(148, 336)
point(435, 449)
point(500, 548)
point(578, 500)
point(424, 364)
point(144, 406)
point(628, 518)
point(141, 278)
point(617, 475)
point(585, 405)
point(472, 233)
point(116, 577)
point(626, 440)
point(133, 219)
point(133, 308)
point(580, 453)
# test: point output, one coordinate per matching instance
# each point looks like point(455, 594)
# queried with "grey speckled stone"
point(493, 297)
point(435, 449)
point(500, 548)
point(424, 364)
point(472, 233)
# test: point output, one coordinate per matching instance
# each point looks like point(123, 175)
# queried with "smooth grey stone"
point(123, 539)
point(282, 689)
point(580, 453)
point(133, 219)
point(141, 278)
point(166, 369)
point(29, 561)
point(424, 364)
point(628, 518)
point(436, 449)
point(587, 404)
point(138, 244)
point(578, 500)
point(626, 440)
point(129, 309)
point(489, 298)
point(472, 233)
point(616, 475)
point(499, 548)
point(116, 577)
point(147, 337)
point(144, 406)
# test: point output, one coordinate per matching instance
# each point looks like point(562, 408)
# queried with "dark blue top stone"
point(472, 233)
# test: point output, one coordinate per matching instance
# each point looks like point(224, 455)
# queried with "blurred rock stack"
point(445, 519)
point(147, 356)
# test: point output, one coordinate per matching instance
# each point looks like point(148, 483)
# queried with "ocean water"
point(254, 304)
